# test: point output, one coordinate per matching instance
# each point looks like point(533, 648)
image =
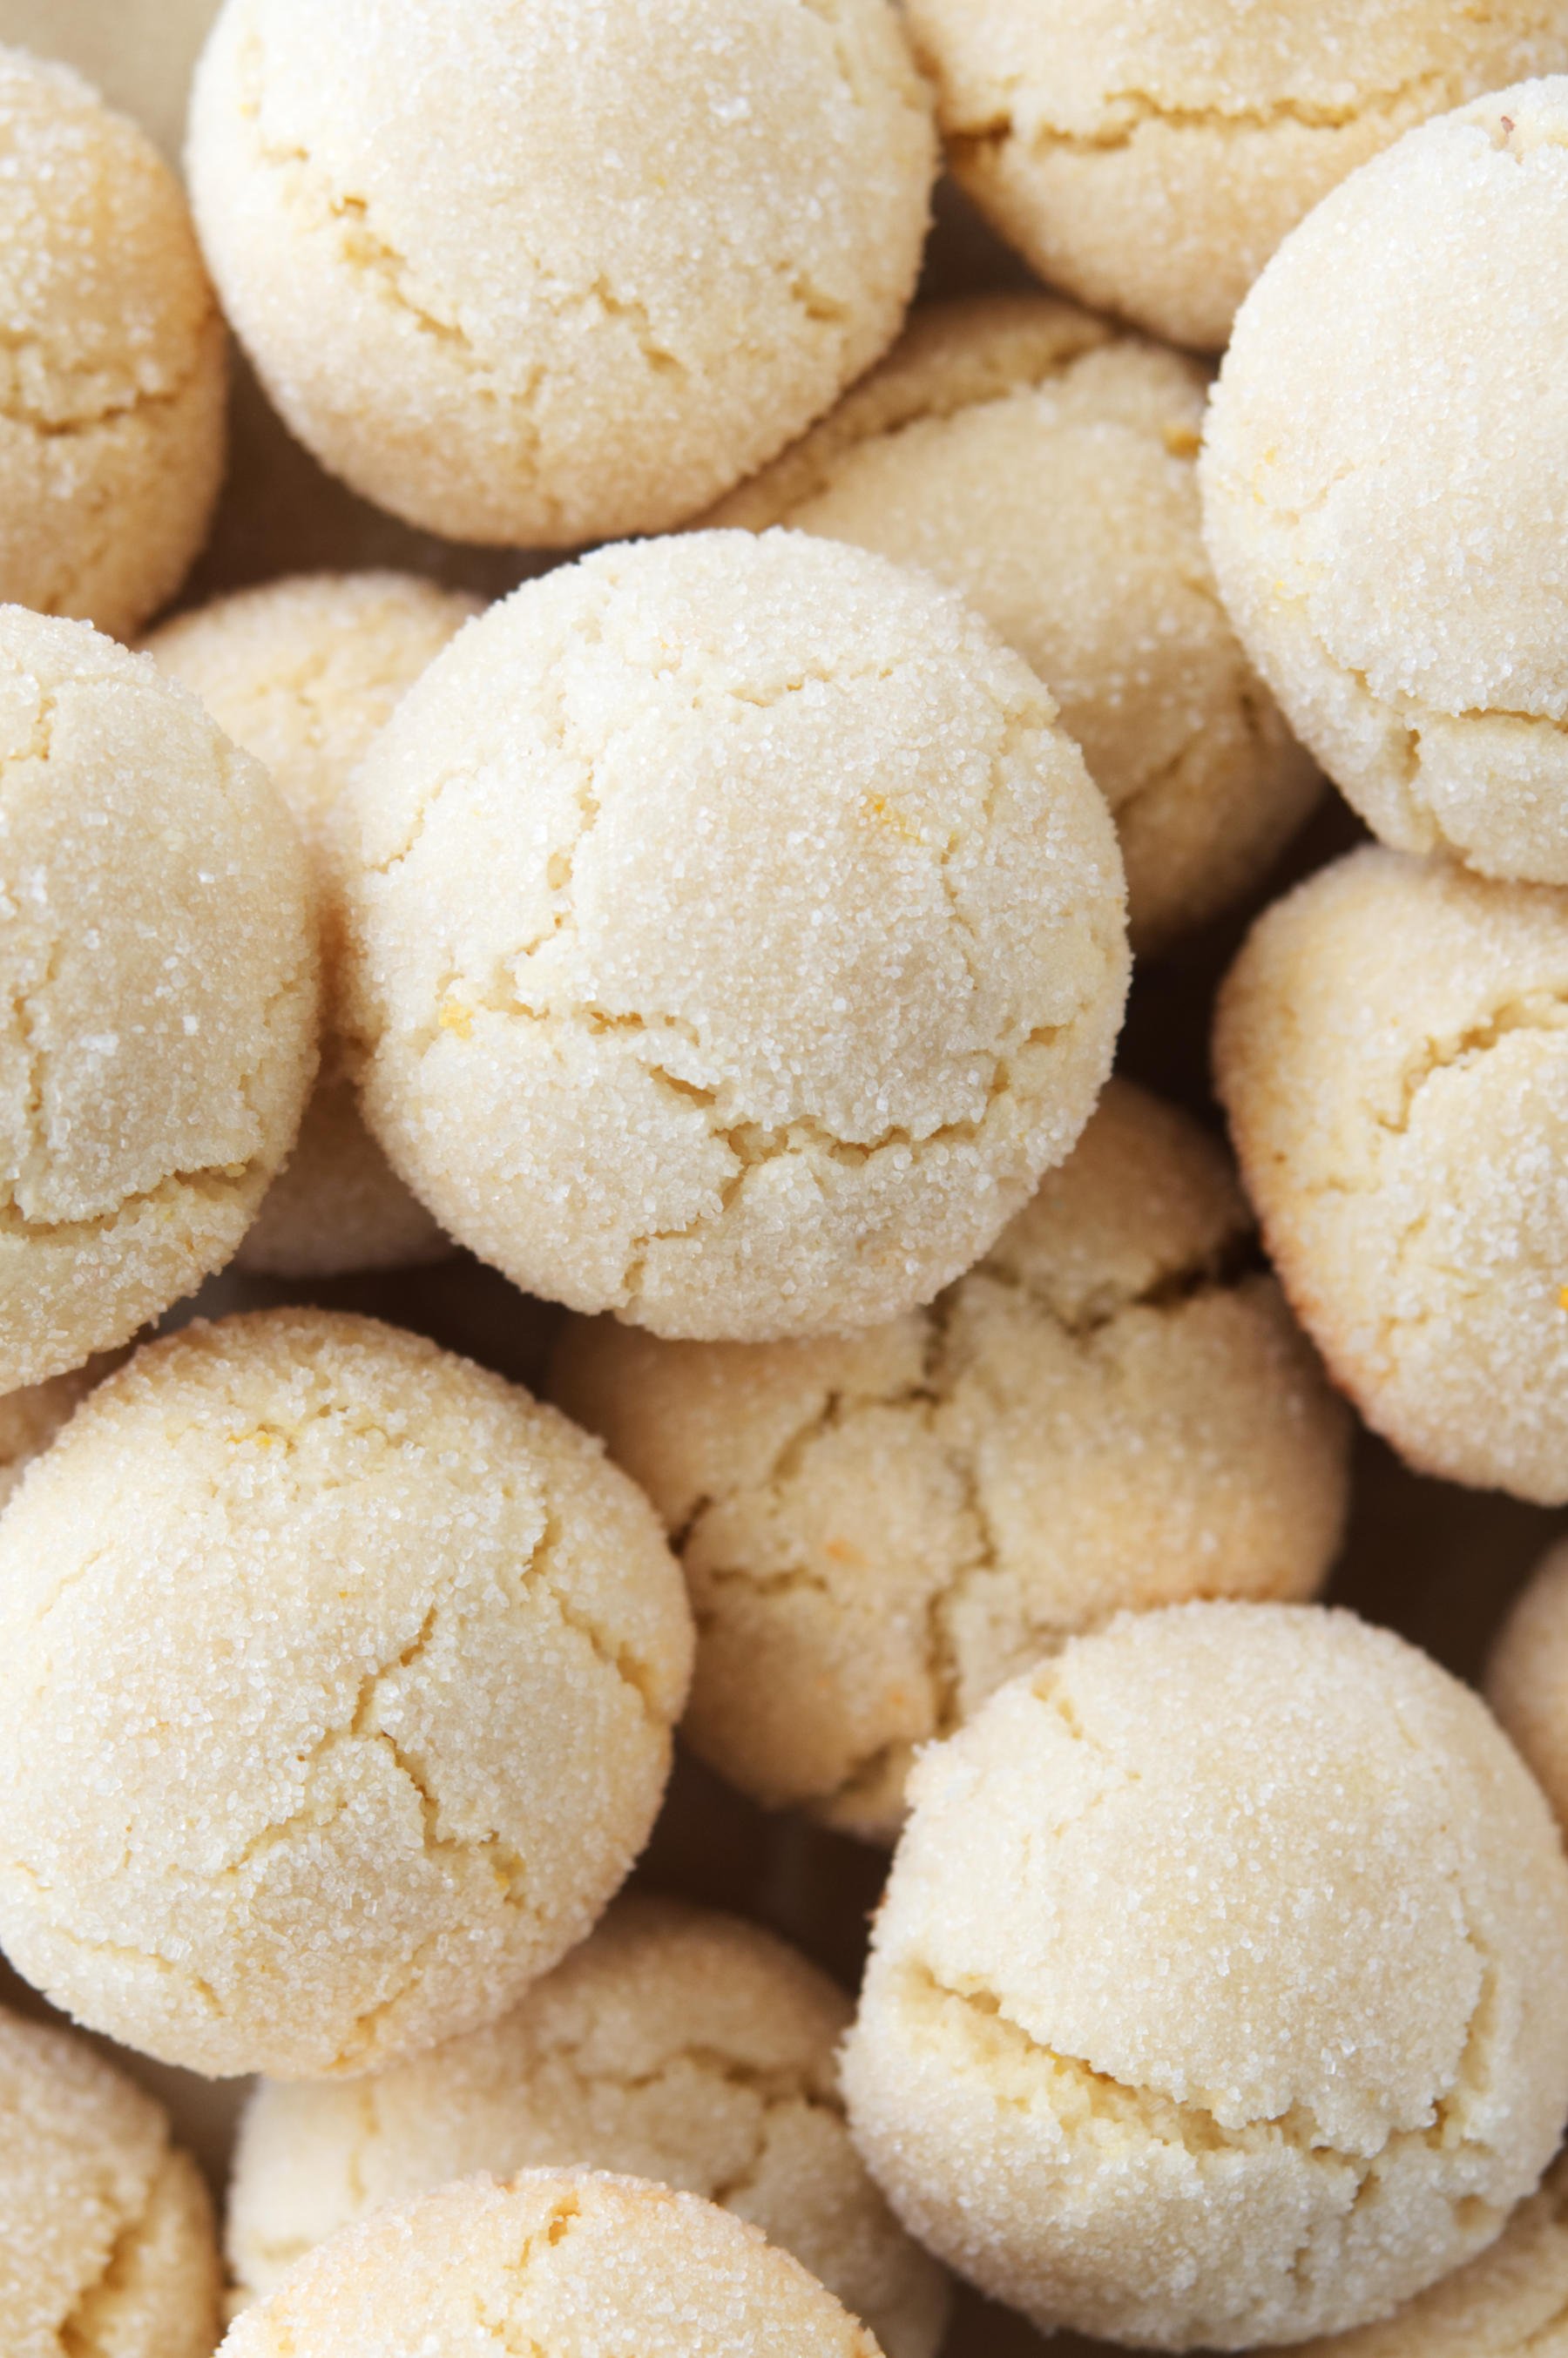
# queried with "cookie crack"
point(1131, 112)
point(87, 2329)
point(216, 1182)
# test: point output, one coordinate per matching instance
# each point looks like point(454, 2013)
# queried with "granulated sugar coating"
point(1113, 1409)
point(674, 2044)
point(158, 965)
point(1386, 485)
point(1043, 466)
point(335, 1686)
point(1526, 1679)
point(1149, 155)
point(546, 274)
point(738, 936)
point(1392, 1051)
point(106, 2242)
point(1218, 1996)
point(112, 374)
point(303, 674)
point(558, 2263)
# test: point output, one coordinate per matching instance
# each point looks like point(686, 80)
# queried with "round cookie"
point(113, 370)
point(736, 936)
point(1527, 1677)
point(1149, 158)
point(1512, 2302)
point(140, 53)
point(304, 673)
point(1042, 465)
point(30, 1418)
point(1391, 1048)
point(1216, 1996)
point(674, 2044)
point(556, 2264)
point(107, 2247)
point(159, 962)
point(546, 276)
point(1112, 1410)
point(337, 1680)
point(1384, 485)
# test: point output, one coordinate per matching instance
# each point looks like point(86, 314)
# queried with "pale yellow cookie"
point(674, 2044)
point(549, 274)
point(1385, 485)
point(112, 374)
point(1216, 1998)
point(107, 2247)
point(555, 2264)
point(738, 935)
point(304, 673)
point(1391, 1048)
point(335, 1686)
point(1526, 1678)
point(1149, 155)
point(1112, 1409)
point(158, 970)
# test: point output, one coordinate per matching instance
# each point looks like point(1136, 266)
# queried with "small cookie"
point(1527, 1677)
point(30, 1419)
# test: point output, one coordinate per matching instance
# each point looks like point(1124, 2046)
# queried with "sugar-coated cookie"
point(1391, 1048)
point(1216, 1998)
point(1113, 1409)
point(158, 958)
point(1385, 485)
point(736, 936)
point(552, 274)
point(303, 674)
point(30, 1418)
point(335, 1686)
point(1527, 1677)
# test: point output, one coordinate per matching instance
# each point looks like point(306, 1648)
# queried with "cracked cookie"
point(1042, 464)
point(1527, 1677)
point(303, 674)
point(107, 2247)
point(550, 275)
point(1113, 1409)
point(675, 2045)
point(736, 936)
point(554, 2265)
point(1391, 1047)
point(113, 370)
point(337, 1678)
point(158, 976)
point(1216, 1998)
point(1151, 158)
point(1384, 478)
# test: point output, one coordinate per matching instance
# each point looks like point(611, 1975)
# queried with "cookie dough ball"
point(112, 374)
point(546, 276)
point(1385, 489)
point(1149, 158)
point(337, 1678)
point(1113, 1409)
point(1042, 465)
point(1392, 1050)
point(674, 2045)
point(1216, 1998)
point(107, 2247)
point(304, 673)
point(1526, 1679)
point(1512, 2302)
point(555, 2264)
point(738, 935)
point(157, 956)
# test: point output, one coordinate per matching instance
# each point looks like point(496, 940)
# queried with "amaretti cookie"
point(556, 2264)
point(157, 953)
point(1113, 1409)
point(736, 935)
point(1391, 1047)
point(1384, 484)
point(336, 1680)
point(107, 2247)
point(1526, 1678)
point(1216, 1998)
point(1150, 159)
point(547, 275)
point(674, 2044)
point(303, 674)
point(113, 371)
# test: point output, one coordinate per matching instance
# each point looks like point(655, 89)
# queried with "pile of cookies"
point(590, 1166)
